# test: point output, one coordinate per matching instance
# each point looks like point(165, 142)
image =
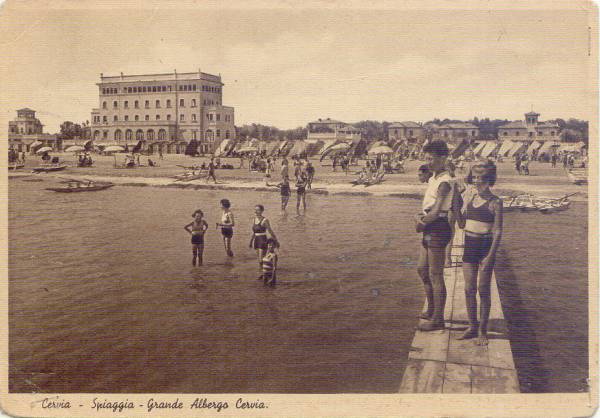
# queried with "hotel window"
point(103, 105)
point(210, 117)
point(153, 89)
point(147, 104)
point(147, 117)
point(115, 104)
point(104, 119)
point(144, 89)
point(158, 104)
point(552, 133)
point(168, 103)
point(157, 117)
point(218, 117)
point(136, 104)
point(193, 102)
point(115, 118)
point(182, 117)
point(137, 118)
point(168, 117)
point(126, 104)
point(194, 133)
point(104, 134)
point(164, 88)
point(193, 117)
point(129, 90)
point(194, 87)
point(182, 102)
point(126, 118)
point(218, 133)
point(540, 133)
point(207, 116)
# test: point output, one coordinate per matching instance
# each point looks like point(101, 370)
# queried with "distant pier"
point(439, 363)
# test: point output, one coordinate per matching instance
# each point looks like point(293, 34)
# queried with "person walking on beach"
point(269, 264)
point(260, 227)
point(482, 222)
point(284, 168)
point(211, 171)
point(518, 163)
point(197, 228)
point(310, 174)
point(433, 222)
point(227, 223)
point(553, 159)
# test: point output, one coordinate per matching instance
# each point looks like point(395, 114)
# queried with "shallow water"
point(543, 281)
point(103, 297)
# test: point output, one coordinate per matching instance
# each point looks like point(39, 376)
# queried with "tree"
point(70, 130)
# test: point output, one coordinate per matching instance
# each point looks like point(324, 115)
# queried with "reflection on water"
point(103, 296)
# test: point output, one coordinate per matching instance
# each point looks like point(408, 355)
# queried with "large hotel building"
point(166, 111)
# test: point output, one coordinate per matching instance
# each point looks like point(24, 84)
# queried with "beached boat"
point(15, 166)
point(556, 206)
point(49, 168)
point(75, 186)
point(577, 176)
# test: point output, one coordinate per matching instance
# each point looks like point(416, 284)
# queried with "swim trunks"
point(477, 248)
point(198, 239)
point(437, 234)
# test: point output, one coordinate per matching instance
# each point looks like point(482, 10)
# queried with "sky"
point(288, 66)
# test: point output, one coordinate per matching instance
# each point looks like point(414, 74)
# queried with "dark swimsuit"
point(301, 187)
point(260, 241)
point(285, 189)
point(477, 246)
point(197, 238)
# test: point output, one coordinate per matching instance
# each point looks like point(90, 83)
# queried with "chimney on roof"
point(319, 119)
point(101, 75)
point(121, 75)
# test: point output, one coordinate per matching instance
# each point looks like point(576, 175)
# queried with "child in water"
point(227, 223)
point(269, 263)
point(197, 228)
point(284, 188)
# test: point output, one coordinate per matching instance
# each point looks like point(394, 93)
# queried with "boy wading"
point(433, 222)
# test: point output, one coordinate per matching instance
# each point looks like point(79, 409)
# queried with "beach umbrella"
point(43, 150)
point(114, 148)
point(342, 147)
point(75, 148)
point(381, 149)
point(246, 150)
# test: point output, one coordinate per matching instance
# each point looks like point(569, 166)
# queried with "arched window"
point(103, 105)
point(128, 135)
point(472, 133)
point(118, 135)
point(115, 118)
point(136, 104)
point(137, 117)
point(162, 135)
point(96, 134)
point(139, 135)
point(193, 102)
point(158, 104)
point(150, 135)
point(208, 135)
point(168, 103)
point(115, 104)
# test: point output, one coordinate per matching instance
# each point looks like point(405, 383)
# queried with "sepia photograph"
point(220, 204)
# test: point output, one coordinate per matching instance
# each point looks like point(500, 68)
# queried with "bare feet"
point(482, 340)
point(469, 333)
point(430, 326)
point(426, 315)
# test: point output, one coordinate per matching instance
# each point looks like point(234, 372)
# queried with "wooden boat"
point(557, 206)
point(49, 168)
point(577, 176)
point(16, 166)
point(75, 186)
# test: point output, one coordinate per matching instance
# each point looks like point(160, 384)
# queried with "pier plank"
point(457, 378)
point(494, 380)
point(430, 345)
point(423, 376)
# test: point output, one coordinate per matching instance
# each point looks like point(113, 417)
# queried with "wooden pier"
point(439, 363)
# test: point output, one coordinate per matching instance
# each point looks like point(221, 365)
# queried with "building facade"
point(330, 129)
point(167, 111)
point(530, 129)
point(405, 131)
point(454, 132)
point(26, 133)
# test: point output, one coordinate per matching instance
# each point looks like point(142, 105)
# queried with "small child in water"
point(197, 228)
point(269, 263)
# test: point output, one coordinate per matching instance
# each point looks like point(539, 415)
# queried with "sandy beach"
point(544, 181)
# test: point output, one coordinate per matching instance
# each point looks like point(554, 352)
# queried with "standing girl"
point(260, 227)
point(482, 222)
point(197, 228)
point(227, 223)
point(301, 182)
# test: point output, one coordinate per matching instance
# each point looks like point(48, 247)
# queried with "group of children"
point(478, 212)
point(265, 246)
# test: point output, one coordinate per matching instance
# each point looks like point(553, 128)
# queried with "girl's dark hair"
point(197, 211)
point(261, 207)
point(225, 203)
point(489, 176)
point(424, 168)
point(437, 148)
point(273, 241)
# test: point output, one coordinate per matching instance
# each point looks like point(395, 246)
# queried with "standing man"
point(433, 222)
point(211, 171)
point(284, 169)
